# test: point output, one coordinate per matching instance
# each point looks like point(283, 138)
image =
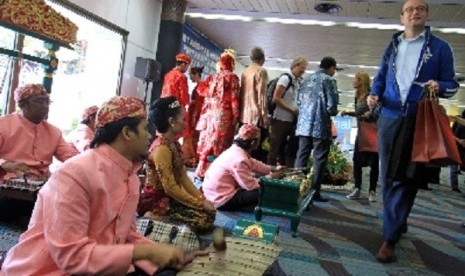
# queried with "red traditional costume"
point(175, 82)
point(218, 124)
point(191, 138)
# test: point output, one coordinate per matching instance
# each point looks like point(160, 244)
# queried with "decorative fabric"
point(153, 203)
point(217, 124)
point(248, 132)
point(166, 233)
point(175, 84)
point(183, 57)
point(39, 18)
point(227, 63)
point(88, 111)
point(120, 107)
point(197, 220)
point(29, 90)
point(317, 100)
point(166, 174)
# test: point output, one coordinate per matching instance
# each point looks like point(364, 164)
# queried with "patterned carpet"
point(342, 237)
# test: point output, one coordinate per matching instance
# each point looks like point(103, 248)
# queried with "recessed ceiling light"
point(328, 8)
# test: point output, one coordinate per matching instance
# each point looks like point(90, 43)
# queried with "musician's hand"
point(15, 167)
point(276, 175)
point(159, 254)
point(372, 101)
point(190, 256)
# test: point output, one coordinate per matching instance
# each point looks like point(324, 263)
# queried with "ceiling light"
point(328, 8)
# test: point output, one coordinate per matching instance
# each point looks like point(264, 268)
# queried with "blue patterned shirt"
point(317, 100)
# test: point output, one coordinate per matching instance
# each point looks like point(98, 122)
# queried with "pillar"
point(51, 66)
point(169, 39)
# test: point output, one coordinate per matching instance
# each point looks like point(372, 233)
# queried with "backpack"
point(271, 87)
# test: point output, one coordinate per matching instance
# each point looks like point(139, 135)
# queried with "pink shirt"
point(32, 144)
point(83, 221)
point(233, 170)
point(81, 137)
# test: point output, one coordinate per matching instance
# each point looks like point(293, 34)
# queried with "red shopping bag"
point(367, 136)
point(433, 140)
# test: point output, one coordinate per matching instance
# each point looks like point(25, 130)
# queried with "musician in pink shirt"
point(81, 136)
point(230, 181)
point(28, 142)
point(83, 221)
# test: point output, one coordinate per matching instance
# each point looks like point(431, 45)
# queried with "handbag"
point(333, 130)
point(433, 140)
point(167, 233)
point(367, 137)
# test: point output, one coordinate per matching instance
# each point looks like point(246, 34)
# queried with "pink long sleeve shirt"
point(83, 221)
point(32, 144)
point(234, 169)
point(80, 137)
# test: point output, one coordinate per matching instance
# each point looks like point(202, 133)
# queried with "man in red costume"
point(175, 82)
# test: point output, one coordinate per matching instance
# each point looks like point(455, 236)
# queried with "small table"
point(282, 198)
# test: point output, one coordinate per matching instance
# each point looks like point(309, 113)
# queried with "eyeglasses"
point(420, 9)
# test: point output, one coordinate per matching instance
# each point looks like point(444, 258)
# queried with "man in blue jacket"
point(414, 60)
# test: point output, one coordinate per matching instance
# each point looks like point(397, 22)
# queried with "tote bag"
point(367, 137)
point(433, 140)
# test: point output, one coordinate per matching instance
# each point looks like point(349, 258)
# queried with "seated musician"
point(81, 136)
point(83, 221)
point(169, 193)
point(28, 142)
point(230, 182)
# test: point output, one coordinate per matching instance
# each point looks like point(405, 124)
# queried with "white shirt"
point(408, 57)
point(289, 97)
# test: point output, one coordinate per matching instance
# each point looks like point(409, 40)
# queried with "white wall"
point(142, 19)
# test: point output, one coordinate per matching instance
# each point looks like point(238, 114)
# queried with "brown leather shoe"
point(386, 253)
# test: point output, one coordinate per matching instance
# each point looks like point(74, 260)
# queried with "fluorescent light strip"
point(312, 22)
point(220, 16)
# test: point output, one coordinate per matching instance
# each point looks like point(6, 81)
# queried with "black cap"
point(327, 62)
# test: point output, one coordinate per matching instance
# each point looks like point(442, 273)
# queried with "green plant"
point(338, 170)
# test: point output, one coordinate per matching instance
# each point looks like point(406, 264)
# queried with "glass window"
point(86, 75)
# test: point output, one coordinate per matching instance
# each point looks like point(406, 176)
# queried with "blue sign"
point(202, 50)
point(344, 126)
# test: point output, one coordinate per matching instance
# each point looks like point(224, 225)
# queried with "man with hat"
point(83, 220)
point(230, 181)
point(28, 142)
point(175, 82)
point(81, 136)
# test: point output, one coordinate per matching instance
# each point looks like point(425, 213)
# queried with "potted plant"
point(338, 170)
